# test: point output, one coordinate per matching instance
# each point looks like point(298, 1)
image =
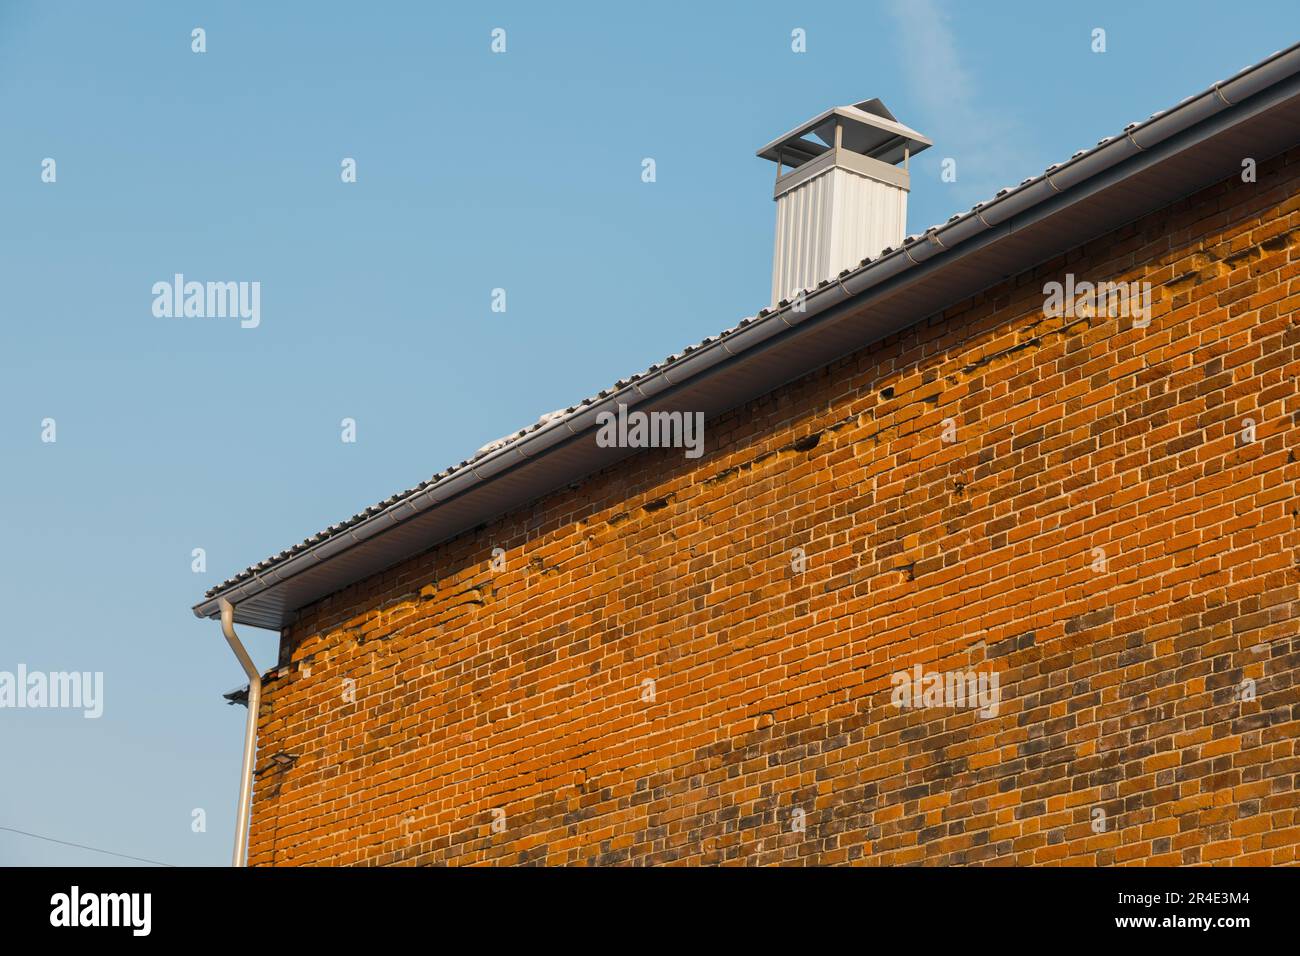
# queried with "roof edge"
point(938, 242)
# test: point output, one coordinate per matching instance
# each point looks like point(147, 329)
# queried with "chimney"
point(840, 196)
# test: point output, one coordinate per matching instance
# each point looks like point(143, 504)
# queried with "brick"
point(649, 681)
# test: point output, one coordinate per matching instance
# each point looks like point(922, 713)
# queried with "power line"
point(82, 846)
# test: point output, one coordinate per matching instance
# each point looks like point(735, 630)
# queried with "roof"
point(1147, 165)
point(868, 128)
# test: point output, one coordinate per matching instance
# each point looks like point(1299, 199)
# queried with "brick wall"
point(452, 712)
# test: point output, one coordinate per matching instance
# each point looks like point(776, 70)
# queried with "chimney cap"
point(869, 128)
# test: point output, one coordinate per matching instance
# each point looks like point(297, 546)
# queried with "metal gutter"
point(250, 732)
point(1139, 147)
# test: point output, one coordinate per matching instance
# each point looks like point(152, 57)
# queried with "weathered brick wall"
point(523, 690)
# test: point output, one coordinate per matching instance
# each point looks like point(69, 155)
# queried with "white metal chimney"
point(840, 196)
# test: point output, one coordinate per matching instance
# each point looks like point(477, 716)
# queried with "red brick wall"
point(522, 690)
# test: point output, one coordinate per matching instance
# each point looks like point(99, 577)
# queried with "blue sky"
point(475, 171)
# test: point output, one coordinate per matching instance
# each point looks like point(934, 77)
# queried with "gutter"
point(994, 219)
point(250, 733)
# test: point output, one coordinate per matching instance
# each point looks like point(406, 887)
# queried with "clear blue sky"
point(475, 171)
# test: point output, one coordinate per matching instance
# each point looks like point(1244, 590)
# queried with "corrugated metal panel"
point(1170, 155)
point(831, 223)
point(869, 216)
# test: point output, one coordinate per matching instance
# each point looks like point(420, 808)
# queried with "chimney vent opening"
point(840, 194)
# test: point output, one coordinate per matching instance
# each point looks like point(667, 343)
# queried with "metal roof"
point(1149, 164)
point(868, 128)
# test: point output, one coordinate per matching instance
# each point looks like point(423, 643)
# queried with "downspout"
point(250, 732)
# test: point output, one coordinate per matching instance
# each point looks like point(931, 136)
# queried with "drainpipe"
point(250, 732)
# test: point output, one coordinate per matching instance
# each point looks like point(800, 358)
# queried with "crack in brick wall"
point(646, 674)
